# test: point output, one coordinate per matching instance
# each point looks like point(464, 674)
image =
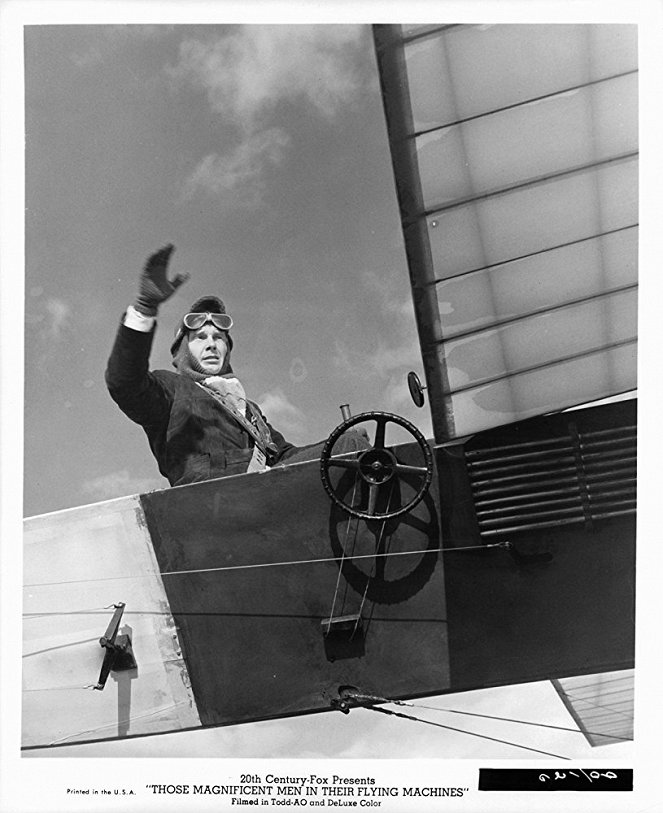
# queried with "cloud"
point(48, 325)
point(118, 484)
point(58, 312)
point(53, 315)
point(380, 362)
point(250, 71)
point(395, 346)
point(389, 364)
point(248, 75)
point(240, 171)
point(283, 415)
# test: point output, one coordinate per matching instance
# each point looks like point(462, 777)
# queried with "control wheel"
point(378, 467)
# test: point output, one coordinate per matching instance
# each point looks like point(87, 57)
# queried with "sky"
point(260, 152)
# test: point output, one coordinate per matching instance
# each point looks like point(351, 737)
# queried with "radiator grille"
point(579, 477)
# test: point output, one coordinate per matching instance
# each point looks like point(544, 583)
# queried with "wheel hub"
point(377, 466)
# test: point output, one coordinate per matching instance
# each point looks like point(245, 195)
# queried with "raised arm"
point(141, 395)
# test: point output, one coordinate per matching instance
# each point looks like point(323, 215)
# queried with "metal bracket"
point(346, 699)
point(349, 697)
point(119, 652)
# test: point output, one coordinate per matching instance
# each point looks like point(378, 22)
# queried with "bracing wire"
point(464, 731)
point(134, 718)
point(506, 719)
point(222, 568)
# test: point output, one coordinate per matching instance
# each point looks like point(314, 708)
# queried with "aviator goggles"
point(193, 321)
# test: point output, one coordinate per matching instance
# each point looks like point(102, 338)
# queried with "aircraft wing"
point(515, 156)
point(601, 705)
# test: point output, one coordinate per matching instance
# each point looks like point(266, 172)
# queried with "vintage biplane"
point(501, 550)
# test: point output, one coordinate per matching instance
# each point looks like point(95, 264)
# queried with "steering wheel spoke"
point(377, 466)
point(380, 430)
point(402, 468)
point(344, 463)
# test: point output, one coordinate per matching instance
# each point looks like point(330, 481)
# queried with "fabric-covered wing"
point(601, 705)
point(515, 156)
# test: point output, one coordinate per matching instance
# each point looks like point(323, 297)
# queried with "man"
point(198, 421)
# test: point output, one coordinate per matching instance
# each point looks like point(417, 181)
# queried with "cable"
point(375, 564)
point(132, 719)
point(463, 731)
point(506, 719)
point(269, 564)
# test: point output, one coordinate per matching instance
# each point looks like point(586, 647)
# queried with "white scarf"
point(230, 390)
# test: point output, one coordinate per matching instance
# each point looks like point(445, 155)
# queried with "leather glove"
point(155, 287)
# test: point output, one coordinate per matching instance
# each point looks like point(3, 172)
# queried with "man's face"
point(208, 346)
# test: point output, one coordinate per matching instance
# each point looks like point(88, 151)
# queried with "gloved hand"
point(155, 287)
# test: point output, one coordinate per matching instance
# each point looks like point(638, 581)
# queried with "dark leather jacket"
point(190, 434)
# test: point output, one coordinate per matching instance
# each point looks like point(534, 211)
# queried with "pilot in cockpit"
point(198, 420)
